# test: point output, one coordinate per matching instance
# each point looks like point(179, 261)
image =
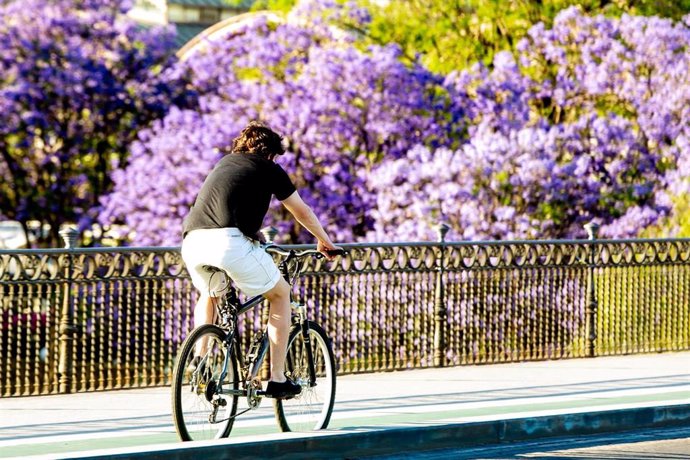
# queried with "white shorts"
point(251, 268)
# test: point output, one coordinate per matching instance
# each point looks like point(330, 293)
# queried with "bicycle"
point(212, 373)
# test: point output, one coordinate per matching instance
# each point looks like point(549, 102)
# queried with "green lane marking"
point(131, 440)
point(86, 444)
point(351, 422)
point(508, 409)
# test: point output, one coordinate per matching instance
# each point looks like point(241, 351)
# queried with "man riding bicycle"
point(221, 230)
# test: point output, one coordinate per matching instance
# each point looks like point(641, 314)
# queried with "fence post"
point(67, 327)
point(440, 309)
point(591, 310)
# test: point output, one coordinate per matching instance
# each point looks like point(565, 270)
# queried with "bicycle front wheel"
point(202, 409)
point(312, 408)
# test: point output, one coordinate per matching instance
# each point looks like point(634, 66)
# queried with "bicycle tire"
point(313, 407)
point(194, 388)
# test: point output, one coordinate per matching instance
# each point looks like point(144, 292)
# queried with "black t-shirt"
point(237, 193)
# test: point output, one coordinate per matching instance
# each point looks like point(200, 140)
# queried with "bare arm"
point(305, 216)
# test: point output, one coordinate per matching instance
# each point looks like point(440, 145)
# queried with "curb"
point(370, 442)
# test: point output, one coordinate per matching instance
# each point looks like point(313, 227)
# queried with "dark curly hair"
point(258, 139)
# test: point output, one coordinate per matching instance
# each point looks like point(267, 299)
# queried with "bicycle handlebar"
point(298, 254)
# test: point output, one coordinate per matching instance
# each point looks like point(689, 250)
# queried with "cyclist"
point(222, 230)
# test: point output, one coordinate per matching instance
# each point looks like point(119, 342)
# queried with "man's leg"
point(204, 313)
point(278, 327)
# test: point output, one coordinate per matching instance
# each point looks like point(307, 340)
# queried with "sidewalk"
point(376, 413)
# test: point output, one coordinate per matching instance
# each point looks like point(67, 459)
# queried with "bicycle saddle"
point(212, 269)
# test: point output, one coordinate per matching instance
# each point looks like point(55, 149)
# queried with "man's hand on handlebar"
point(330, 251)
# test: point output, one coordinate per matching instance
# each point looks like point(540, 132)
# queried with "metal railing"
point(95, 319)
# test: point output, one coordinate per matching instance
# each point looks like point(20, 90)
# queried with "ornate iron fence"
point(96, 319)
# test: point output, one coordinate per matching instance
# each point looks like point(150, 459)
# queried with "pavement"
point(375, 414)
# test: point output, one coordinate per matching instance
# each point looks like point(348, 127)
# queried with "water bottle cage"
point(254, 347)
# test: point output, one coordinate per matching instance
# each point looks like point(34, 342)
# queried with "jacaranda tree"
point(591, 123)
point(340, 109)
point(77, 80)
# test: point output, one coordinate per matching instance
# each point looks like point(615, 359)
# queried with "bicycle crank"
point(253, 393)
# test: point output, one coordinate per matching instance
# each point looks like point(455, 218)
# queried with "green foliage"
point(453, 34)
point(677, 225)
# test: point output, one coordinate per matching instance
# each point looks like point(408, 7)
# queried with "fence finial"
point(269, 234)
point(70, 236)
point(442, 230)
point(592, 230)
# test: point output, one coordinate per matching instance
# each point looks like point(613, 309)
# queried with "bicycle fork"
point(301, 311)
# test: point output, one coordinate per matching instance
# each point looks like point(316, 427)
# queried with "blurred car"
point(12, 235)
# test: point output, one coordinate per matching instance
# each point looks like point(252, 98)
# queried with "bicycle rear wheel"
point(200, 410)
point(312, 408)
